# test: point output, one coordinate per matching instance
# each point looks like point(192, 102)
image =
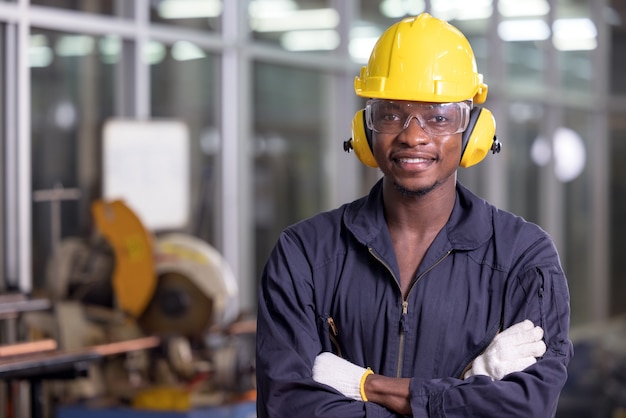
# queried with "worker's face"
point(415, 161)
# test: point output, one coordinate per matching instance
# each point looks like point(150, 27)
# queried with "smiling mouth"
point(413, 160)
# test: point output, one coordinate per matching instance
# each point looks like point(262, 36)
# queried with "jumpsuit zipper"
point(405, 304)
point(334, 332)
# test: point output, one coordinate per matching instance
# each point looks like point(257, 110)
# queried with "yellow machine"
point(133, 277)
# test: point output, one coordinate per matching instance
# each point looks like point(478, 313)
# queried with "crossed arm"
point(512, 350)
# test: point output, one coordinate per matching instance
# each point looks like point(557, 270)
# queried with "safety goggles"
point(392, 117)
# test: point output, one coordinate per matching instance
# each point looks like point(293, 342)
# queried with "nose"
point(413, 134)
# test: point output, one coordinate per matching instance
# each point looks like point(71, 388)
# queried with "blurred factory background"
point(204, 127)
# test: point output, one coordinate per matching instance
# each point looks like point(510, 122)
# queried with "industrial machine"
point(125, 283)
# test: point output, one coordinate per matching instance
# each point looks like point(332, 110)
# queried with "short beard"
point(415, 193)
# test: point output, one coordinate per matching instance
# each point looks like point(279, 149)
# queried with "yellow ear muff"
point(479, 137)
point(361, 140)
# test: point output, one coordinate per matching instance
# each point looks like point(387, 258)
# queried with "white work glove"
point(340, 374)
point(512, 350)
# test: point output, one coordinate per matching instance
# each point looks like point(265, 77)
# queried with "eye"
point(389, 113)
point(437, 119)
point(389, 116)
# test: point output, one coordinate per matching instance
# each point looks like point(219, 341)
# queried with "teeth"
point(413, 160)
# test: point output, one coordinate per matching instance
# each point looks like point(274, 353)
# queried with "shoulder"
point(505, 224)
point(323, 223)
point(519, 232)
point(512, 238)
point(332, 223)
point(318, 235)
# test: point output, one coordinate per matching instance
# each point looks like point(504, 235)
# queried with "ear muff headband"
point(477, 140)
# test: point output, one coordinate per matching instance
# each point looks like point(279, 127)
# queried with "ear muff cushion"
point(362, 140)
point(479, 136)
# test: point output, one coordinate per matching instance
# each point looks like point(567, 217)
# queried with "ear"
point(479, 137)
point(361, 141)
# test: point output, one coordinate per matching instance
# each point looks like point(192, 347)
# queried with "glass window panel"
point(574, 38)
point(576, 180)
point(617, 62)
point(618, 209)
point(71, 97)
point(3, 79)
point(576, 69)
point(193, 14)
point(288, 170)
point(526, 152)
point(185, 86)
point(524, 29)
point(524, 64)
point(295, 25)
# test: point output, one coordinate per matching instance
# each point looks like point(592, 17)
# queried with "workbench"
point(62, 364)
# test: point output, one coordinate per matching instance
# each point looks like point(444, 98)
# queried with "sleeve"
point(539, 293)
point(288, 342)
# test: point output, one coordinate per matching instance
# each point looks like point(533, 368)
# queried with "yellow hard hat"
point(422, 59)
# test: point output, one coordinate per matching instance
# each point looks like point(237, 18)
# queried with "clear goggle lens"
point(392, 117)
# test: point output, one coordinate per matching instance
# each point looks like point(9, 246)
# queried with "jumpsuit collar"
point(470, 224)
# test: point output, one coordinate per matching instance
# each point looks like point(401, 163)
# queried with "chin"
point(416, 191)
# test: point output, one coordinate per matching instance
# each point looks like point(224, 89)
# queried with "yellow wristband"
point(362, 384)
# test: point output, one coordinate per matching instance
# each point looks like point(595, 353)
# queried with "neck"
point(420, 211)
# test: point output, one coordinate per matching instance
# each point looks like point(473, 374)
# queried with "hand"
point(512, 350)
point(340, 374)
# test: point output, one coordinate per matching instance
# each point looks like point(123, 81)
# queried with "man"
point(419, 299)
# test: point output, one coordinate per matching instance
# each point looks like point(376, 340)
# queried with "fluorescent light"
point(38, 40)
point(154, 52)
point(360, 49)
point(523, 30)
point(186, 9)
point(362, 41)
point(569, 154)
point(185, 51)
point(517, 8)
point(475, 12)
point(310, 40)
point(269, 8)
point(574, 34)
point(581, 28)
point(575, 44)
point(541, 151)
point(395, 9)
point(459, 10)
point(567, 150)
point(110, 49)
point(40, 56)
point(74, 45)
point(296, 20)
point(392, 9)
point(39, 53)
point(65, 115)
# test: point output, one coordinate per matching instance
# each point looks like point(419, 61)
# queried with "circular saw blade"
point(206, 268)
point(178, 307)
